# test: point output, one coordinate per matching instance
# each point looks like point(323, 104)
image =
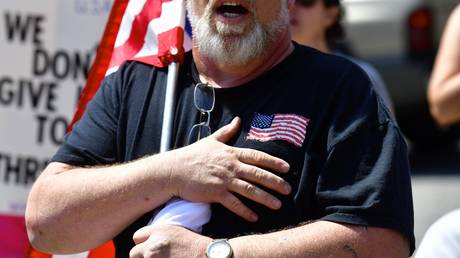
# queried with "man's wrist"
point(167, 163)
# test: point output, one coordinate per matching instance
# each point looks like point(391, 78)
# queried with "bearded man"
point(304, 161)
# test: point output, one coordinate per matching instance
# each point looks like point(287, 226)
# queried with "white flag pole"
point(168, 114)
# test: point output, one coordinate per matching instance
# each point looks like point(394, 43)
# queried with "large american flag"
point(286, 127)
point(151, 31)
point(148, 31)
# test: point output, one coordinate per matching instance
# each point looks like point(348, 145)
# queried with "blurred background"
point(400, 38)
point(47, 47)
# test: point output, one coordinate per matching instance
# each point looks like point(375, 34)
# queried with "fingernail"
point(287, 187)
point(286, 167)
point(254, 217)
point(276, 204)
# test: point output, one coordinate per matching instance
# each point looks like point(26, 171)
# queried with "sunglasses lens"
point(204, 97)
point(306, 2)
point(198, 131)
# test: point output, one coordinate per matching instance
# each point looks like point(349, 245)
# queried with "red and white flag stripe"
point(151, 31)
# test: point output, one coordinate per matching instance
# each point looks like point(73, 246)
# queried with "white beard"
point(234, 45)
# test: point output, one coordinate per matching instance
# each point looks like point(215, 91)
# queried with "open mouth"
point(231, 10)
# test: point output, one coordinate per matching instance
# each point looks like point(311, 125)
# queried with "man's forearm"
point(75, 209)
point(323, 239)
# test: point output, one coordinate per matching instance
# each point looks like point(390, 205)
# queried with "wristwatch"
point(219, 248)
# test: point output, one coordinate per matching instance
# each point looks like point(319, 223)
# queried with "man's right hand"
point(211, 171)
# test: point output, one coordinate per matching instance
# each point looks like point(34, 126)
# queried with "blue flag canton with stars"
point(262, 121)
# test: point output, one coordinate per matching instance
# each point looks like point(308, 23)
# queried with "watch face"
point(219, 249)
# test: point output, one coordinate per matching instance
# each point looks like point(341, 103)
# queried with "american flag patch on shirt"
point(287, 127)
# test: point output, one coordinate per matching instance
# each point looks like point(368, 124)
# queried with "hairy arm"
point(444, 88)
point(323, 239)
point(319, 239)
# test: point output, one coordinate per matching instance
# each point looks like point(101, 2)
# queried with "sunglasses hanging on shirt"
point(204, 99)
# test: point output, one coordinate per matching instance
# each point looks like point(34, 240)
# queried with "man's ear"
point(332, 14)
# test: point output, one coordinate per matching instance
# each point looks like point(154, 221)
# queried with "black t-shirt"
point(348, 159)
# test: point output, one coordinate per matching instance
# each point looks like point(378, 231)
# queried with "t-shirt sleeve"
point(93, 139)
point(365, 179)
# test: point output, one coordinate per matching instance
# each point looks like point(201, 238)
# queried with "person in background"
point(442, 239)
point(317, 24)
point(444, 86)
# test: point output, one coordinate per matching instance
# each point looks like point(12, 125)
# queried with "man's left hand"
point(168, 241)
